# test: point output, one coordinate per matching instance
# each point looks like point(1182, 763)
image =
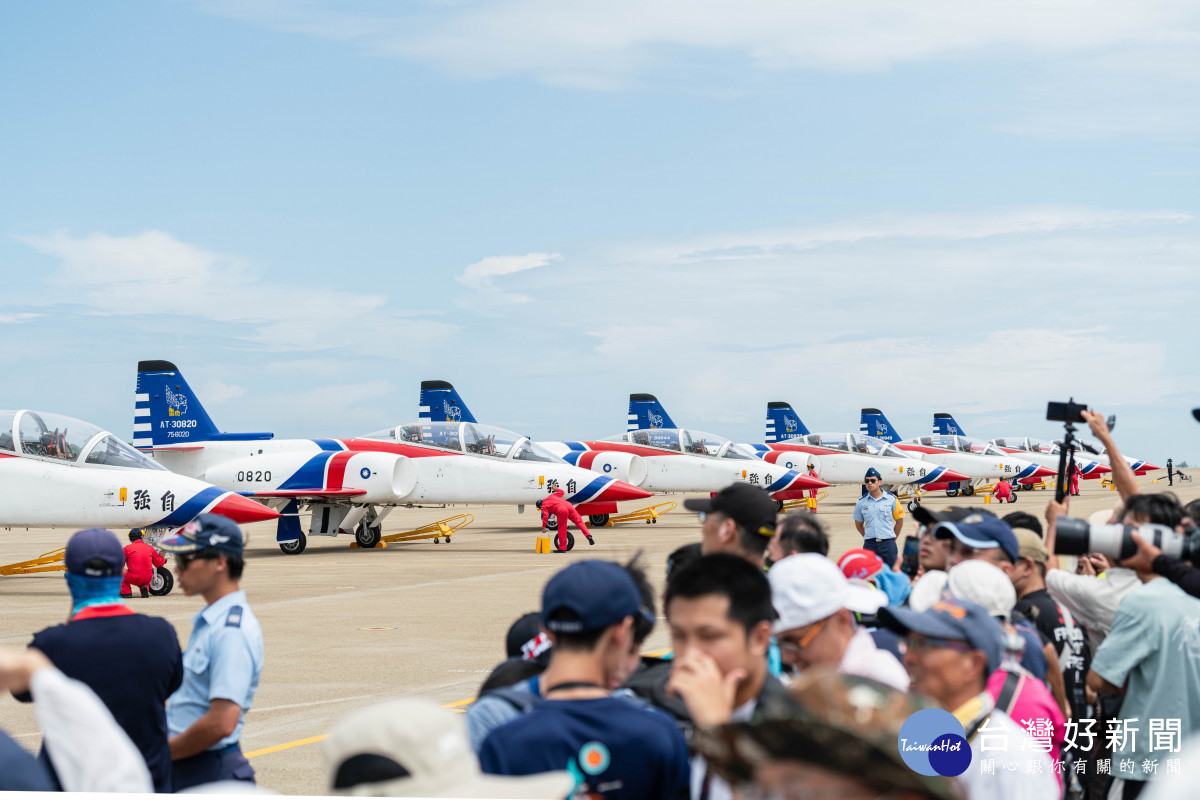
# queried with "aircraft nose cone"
point(951, 475)
point(243, 511)
point(617, 491)
point(1148, 466)
point(809, 482)
point(1101, 469)
point(1044, 472)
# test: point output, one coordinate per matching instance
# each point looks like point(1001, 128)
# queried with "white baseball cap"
point(808, 587)
point(927, 590)
point(415, 748)
point(984, 584)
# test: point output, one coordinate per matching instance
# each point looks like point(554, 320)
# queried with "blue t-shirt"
point(1033, 659)
point(19, 771)
point(615, 749)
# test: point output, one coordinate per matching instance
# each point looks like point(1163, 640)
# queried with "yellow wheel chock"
point(46, 562)
point(806, 502)
point(443, 528)
point(649, 513)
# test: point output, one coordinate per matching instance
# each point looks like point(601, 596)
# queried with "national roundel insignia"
point(593, 758)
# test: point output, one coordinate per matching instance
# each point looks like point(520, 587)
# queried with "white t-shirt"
point(864, 659)
point(1006, 764)
point(718, 789)
point(1091, 600)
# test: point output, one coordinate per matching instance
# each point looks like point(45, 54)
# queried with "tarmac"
point(346, 627)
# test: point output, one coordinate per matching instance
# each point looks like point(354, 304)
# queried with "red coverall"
point(1075, 473)
point(141, 560)
point(812, 473)
point(1002, 491)
point(556, 505)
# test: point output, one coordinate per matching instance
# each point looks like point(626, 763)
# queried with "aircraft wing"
point(302, 493)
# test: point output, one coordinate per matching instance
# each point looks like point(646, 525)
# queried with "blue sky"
point(312, 206)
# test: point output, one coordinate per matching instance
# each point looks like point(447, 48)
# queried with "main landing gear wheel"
point(294, 548)
point(913, 505)
point(968, 490)
point(952, 493)
point(570, 541)
point(162, 583)
point(598, 520)
point(367, 536)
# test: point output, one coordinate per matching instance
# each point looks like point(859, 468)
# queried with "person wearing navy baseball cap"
point(589, 610)
point(739, 520)
point(223, 660)
point(980, 535)
point(952, 649)
point(879, 518)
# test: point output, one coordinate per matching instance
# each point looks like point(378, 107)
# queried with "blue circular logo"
point(933, 742)
point(365, 472)
point(608, 467)
point(594, 758)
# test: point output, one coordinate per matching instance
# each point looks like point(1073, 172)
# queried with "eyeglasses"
point(926, 643)
point(805, 640)
point(184, 561)
point(871, 480)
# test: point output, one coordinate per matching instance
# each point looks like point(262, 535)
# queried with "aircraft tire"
point(952, 493)
point(968, 490)
point(599, 520)
point(779, 505)
point(294, 548)
point(570, 541)
point(913, 505)
point(162, 583)
point(367, 536)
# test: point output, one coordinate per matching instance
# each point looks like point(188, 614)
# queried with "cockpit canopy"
point(684, 440)
point(467, 437)
point(53, 437)
point(959, 444)
point(1028, 444)
point(851, 443)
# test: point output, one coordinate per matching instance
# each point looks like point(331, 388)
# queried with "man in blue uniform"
point(223, 659)
point(614, 748)
point(879, 518)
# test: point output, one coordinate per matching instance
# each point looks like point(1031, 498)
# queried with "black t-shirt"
point(1074, 655)
point(133, 664)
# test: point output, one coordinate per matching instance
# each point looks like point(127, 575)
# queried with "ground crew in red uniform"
point(556, 505)
point(1002, 491)
point(141, 562)
point(1075, 473)
point(812, 473)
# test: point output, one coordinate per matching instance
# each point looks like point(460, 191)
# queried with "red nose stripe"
point(952, 476)
point(242, 511)
point(617, 491)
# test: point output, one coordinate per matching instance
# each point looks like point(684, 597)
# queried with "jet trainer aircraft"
point(686, 460)
point(58, 472)
point(980, 461)
point(350, 485)
point(1037, 450)
point(842, 457)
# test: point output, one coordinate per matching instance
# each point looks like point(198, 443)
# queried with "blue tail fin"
point(166, 411)
point(441, 403)
point(783, 423)
point(874, 423)
point(646, 412)
point(944, 423)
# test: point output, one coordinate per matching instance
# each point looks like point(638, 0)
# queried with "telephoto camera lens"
point(1076, 537)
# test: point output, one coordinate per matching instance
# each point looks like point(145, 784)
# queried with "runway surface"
point(346, 627)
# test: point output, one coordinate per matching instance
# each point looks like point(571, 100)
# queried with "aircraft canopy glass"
point(960, 444)
point(684, 440)
point(53, 435)
point(1028, 445)
point(830, 441)
point(6, 428)
point(468, 437)
point(871, 446)
point(112, 452)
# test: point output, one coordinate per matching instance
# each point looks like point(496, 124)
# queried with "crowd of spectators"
point(789, 674)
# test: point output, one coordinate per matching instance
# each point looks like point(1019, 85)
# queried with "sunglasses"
point(871, 480)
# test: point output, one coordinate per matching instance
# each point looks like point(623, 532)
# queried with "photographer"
point(1151, 559)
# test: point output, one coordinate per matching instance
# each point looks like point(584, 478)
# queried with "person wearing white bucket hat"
point(414, 748)
point(816, 628)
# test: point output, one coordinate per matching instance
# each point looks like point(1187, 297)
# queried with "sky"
point(311, 206)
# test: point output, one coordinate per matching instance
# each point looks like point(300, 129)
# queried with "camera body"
point(1069, 412)
point(1076, 537)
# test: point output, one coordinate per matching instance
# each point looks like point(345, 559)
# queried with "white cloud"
point(14, 319)
point(219, 392)
point(153, 273)
point(480, 275)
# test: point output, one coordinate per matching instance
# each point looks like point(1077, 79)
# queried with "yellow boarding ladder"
point(649, 513)
point(443, 528)
point(46, 562)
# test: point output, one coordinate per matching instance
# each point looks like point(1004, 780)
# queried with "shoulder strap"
point(1013, 683)
point(521, 701)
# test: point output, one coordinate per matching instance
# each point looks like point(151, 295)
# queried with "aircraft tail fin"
point(646, 412)
point(874, 423)
point(783, 423)
point(944, 423)
point(167, 412)
point(440, 403)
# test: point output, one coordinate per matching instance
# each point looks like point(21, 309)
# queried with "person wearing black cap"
point(224, 656)
point(141, 560)
point(739, 519)
point(131, 661)
point(879, 518)
point(613, 747)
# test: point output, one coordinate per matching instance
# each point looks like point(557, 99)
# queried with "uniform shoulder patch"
point(234, 620)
